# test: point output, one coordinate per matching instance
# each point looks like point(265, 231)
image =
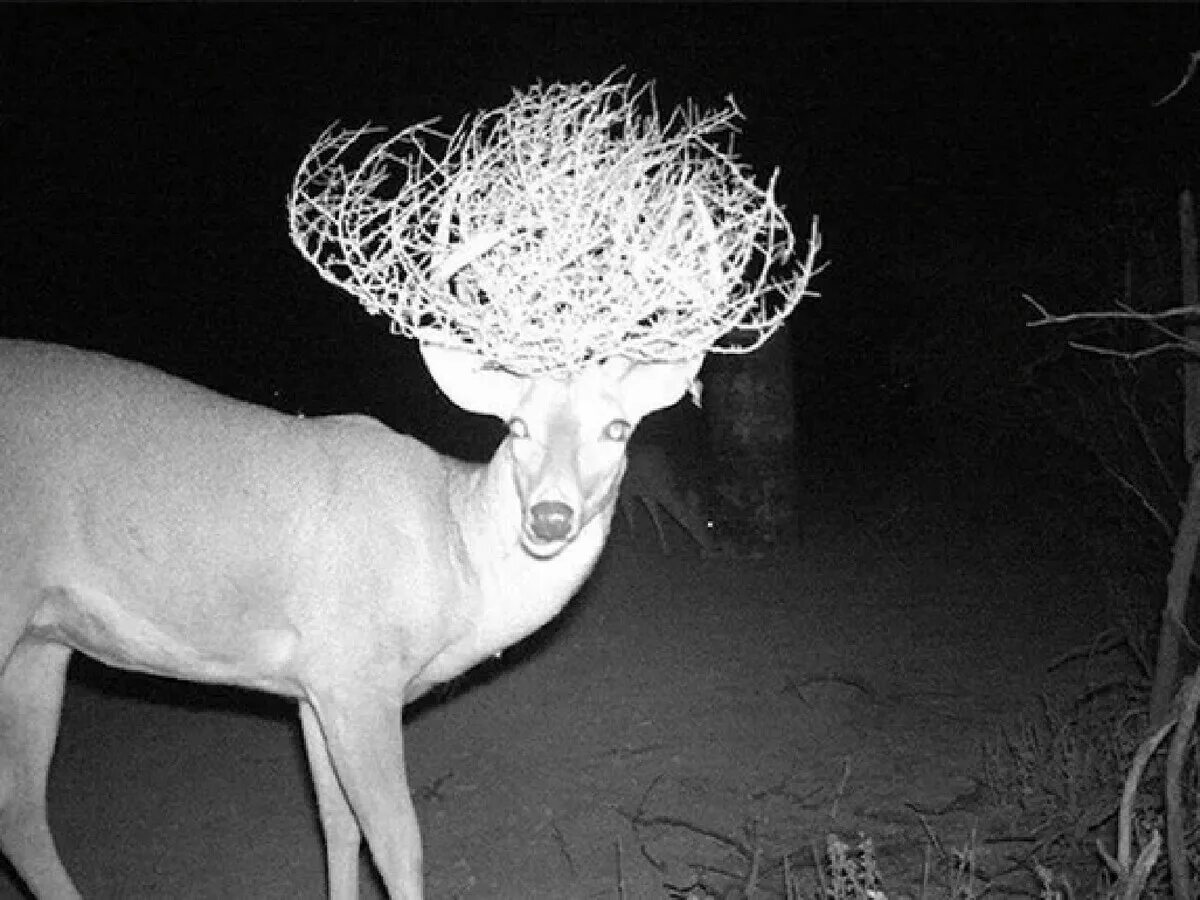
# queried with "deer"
point(651, 482)
point(160, 527)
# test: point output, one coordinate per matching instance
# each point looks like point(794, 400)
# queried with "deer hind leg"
point(31, 693)
point(356, 754)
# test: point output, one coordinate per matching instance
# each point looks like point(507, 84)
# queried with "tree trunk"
point(749, 411)
point(1179, 580)
point(1166, 664)
point(1189, 294)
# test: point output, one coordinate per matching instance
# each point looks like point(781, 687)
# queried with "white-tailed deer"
point(650, 481)
point(160, 527)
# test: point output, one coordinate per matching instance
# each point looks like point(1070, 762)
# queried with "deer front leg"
point(31, 691)
point(627, 508)
point(342, 835)
point(656, 519)
point(356, 754)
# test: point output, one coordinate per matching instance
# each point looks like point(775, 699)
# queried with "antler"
point(565, 227)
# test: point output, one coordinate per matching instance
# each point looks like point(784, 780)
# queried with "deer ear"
point(647, 387)
point(462, 377)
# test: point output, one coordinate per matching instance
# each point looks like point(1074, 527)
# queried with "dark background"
point(953, 153)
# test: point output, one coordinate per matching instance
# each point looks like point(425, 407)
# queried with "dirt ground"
point(681, 708)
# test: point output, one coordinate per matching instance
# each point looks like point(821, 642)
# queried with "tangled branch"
point(562, 228)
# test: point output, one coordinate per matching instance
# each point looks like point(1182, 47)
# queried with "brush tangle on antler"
point(565, 227)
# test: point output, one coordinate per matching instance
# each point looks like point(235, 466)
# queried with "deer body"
point(160, 527)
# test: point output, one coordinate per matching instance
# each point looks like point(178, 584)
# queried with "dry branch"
point(564, 227)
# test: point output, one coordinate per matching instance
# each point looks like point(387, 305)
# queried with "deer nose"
point(551, 520)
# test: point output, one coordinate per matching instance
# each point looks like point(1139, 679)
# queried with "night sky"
point(951, 152)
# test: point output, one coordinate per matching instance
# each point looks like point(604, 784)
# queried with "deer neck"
point(515, 593)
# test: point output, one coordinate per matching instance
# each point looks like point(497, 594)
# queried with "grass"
point(1079, 795)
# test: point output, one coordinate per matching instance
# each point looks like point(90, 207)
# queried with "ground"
point(681, 706)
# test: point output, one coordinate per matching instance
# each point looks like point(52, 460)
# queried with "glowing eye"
point(517, 428)
point(617, 430)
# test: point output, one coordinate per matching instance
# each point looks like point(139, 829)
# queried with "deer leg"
point(365, 744)
point(627, 507)
point(342, 835)
point(31, 693)
point(656, 518)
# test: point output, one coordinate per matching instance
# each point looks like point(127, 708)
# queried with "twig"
point(563, 848)
point(1049, 318)
point(819, 863)
point(1133, 489)
point(742, 849)
point(620, 872)
point(1180, 346)
point(1143, 430)
point(751, 885)
point(791, 883)
point(1188, 75)
point(841, 789)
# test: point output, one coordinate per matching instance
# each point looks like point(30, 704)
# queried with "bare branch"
point(1148, 444)
point(1133, 489)
point(1135, 355)
point(1188, 75)
point(1125, 313)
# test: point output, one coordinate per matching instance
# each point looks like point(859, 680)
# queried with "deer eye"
point(617, 430)
point(517, 428)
